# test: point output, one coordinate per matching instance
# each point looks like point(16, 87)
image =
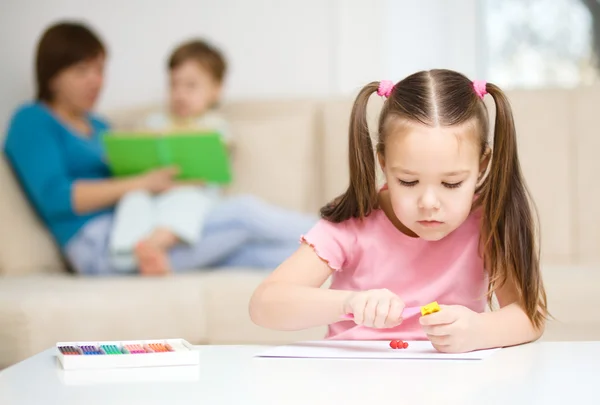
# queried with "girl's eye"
point(408, 183)
point(452, 185)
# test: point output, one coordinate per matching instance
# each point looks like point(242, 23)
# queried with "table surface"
point(538, 373)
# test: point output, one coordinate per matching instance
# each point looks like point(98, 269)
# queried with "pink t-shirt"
point(373, 254)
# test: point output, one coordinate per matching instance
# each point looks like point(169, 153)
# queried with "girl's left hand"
point(453, 329)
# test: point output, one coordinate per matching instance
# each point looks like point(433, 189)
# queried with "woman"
point(54, 146)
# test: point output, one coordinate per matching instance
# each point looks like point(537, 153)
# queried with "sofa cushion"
point(38, 311)
point(545, 145)
point(228, 294)
point(336, 122)
point(586, 141)
point(275, 155)
point(205, 307)
point(25, 244)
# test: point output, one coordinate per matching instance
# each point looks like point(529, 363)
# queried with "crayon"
point(90, 350)
point(110, 349)
point(135, 349)
point(158, 347)
point(69, 350)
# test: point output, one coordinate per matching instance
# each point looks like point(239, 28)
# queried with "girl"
point(439, 230)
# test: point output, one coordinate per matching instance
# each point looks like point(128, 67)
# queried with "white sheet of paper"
point(365, 349)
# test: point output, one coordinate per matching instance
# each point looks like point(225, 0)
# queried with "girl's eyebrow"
point(406, 171)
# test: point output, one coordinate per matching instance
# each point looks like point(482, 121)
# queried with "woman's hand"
point(159, 180)
point(375, 308)
point(453, 329)
point(194, 183)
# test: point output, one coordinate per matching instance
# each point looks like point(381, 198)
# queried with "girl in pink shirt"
point(454, 224)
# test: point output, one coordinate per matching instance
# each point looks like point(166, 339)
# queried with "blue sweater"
point(48, 157)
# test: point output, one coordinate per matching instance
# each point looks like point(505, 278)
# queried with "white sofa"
point(294, 153)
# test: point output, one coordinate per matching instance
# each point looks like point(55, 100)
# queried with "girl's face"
point(78, 86)
point(432, 174)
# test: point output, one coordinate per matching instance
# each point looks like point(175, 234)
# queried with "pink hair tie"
point(480, 88)
point(385, 88)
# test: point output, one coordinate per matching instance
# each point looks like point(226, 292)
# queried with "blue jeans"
point(239, 232)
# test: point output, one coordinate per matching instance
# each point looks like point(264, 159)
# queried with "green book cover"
point(199, 156)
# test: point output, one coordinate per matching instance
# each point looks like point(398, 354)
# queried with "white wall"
point(276, 48)
point(433, 34)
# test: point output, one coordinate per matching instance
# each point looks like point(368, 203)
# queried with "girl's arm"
point(291, 298)
point(509, 325)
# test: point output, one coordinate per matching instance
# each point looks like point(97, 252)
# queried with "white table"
point(540, 373)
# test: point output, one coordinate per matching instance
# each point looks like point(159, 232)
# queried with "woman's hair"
point(207, 56)
point(445, 98)
point(61, 46)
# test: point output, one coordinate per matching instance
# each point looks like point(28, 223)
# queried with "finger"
point(172, 170)
point(370, 311)
point(381, 313)
point(438, 330)
point(358, 309)
point(440, 340)
point(444, 316)
point(442, 348)
point(394, 317)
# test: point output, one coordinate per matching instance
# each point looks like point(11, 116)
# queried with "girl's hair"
point(61, 46)
point(442, 98)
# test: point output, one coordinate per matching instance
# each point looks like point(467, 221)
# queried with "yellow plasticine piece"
point(430, 308)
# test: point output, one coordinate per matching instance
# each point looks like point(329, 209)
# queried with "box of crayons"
point(133, 353)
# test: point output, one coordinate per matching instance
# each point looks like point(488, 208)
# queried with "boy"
point(197, 71)
point(147, 225)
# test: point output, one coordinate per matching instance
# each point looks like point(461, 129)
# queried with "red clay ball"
point(394, 344)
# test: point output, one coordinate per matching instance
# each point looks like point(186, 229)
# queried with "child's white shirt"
point(211, 121)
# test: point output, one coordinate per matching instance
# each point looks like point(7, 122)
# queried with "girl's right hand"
point(375, 308)
point(159, 180)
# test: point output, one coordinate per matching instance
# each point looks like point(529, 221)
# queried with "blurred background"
point(314, 48)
